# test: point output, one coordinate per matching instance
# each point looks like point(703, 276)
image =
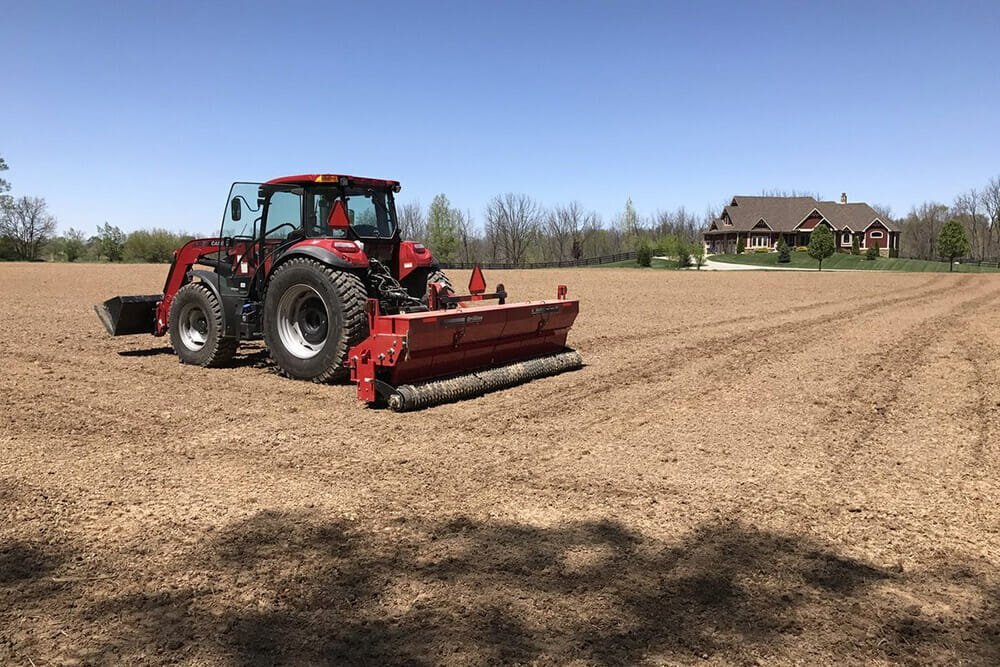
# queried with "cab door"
point(240, 224)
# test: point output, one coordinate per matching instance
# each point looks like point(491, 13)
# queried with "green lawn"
point(848, 261)
point(632, 264)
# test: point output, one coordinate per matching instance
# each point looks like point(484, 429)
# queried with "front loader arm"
point(191, 253)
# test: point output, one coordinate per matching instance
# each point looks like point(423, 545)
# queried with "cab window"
point(284, 215)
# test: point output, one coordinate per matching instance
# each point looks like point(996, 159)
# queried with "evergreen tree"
point(821, 244)
point(784, 254)
point(953, 242)
point(645, 255)
point(855, 246)
point(741, 245)
point(629, 220)
point(442, 231)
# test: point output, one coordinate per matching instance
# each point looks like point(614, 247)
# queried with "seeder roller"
point(314, 265)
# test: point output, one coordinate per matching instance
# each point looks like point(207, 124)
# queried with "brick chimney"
point(843, 197)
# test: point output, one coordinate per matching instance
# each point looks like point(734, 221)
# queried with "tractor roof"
point(309, 179)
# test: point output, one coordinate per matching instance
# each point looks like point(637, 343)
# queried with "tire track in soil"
point(789, 311)
point(880, 398)
point(982, 354)
point(733, 348)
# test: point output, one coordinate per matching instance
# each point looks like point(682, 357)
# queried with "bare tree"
point(27, 223)
point(468, 243)
point(884, 211)
point(778, 192)
point(680, 223)
point(412, 224)
point(921, 229)
point(512, 220)
point(968, 210)
point(990, 199)
point(562, 226)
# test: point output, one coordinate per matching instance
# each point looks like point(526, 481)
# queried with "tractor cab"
point(312, 207)
point(349, 219)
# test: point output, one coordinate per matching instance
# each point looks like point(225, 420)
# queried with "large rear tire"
point(196, 324)
point(313, 315)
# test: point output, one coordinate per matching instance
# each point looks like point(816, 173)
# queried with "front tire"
point(313, 315)
point(197, 324)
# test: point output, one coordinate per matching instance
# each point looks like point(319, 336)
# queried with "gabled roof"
point(783, 214)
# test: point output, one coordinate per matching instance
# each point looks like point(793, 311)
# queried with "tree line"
point(977, 211)
point(515, 228)
point(518, 229)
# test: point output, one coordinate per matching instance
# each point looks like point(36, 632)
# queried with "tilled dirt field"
point(752, 468)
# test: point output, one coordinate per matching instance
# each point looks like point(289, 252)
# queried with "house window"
point(847, 239)
point(760, 241)
point(876, 235)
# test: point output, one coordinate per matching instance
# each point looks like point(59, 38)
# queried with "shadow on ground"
point(283, 589)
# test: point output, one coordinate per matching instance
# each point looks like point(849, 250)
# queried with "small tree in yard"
point(855, 246)
point(953, 242)
point(821, 244)
point(683, 255)
point(741, 245)
point(784, 254)
point(872, 253)
point(644, 256)
point(698, 255)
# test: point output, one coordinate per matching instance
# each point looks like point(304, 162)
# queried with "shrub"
point(698, 254)
point(644, 256)
point(855, 246)
point(872, 252)
point(893, 252)
point(761, 251)
point(683, 255)
point(741, 246)
point(784, 255)
point(801, 248)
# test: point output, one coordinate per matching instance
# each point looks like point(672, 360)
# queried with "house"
point(761, 221)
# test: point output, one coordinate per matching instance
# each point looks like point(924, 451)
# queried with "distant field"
point(846, 261)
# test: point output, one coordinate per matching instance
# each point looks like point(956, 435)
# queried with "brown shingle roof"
point(783, 214)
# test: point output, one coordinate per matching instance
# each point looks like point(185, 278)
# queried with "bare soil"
point(752, 468)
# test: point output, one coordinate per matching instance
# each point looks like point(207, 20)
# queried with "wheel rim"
point(193, 326)
point(303, 322)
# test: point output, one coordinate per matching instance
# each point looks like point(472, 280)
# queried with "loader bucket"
point(126, 315)
point(414, 360)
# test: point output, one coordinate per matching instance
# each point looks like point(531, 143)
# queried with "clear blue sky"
point(142, 113)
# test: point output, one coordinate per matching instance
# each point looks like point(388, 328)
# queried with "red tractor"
point(315, 265)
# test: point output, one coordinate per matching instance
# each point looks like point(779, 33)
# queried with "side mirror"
point(235, 209)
